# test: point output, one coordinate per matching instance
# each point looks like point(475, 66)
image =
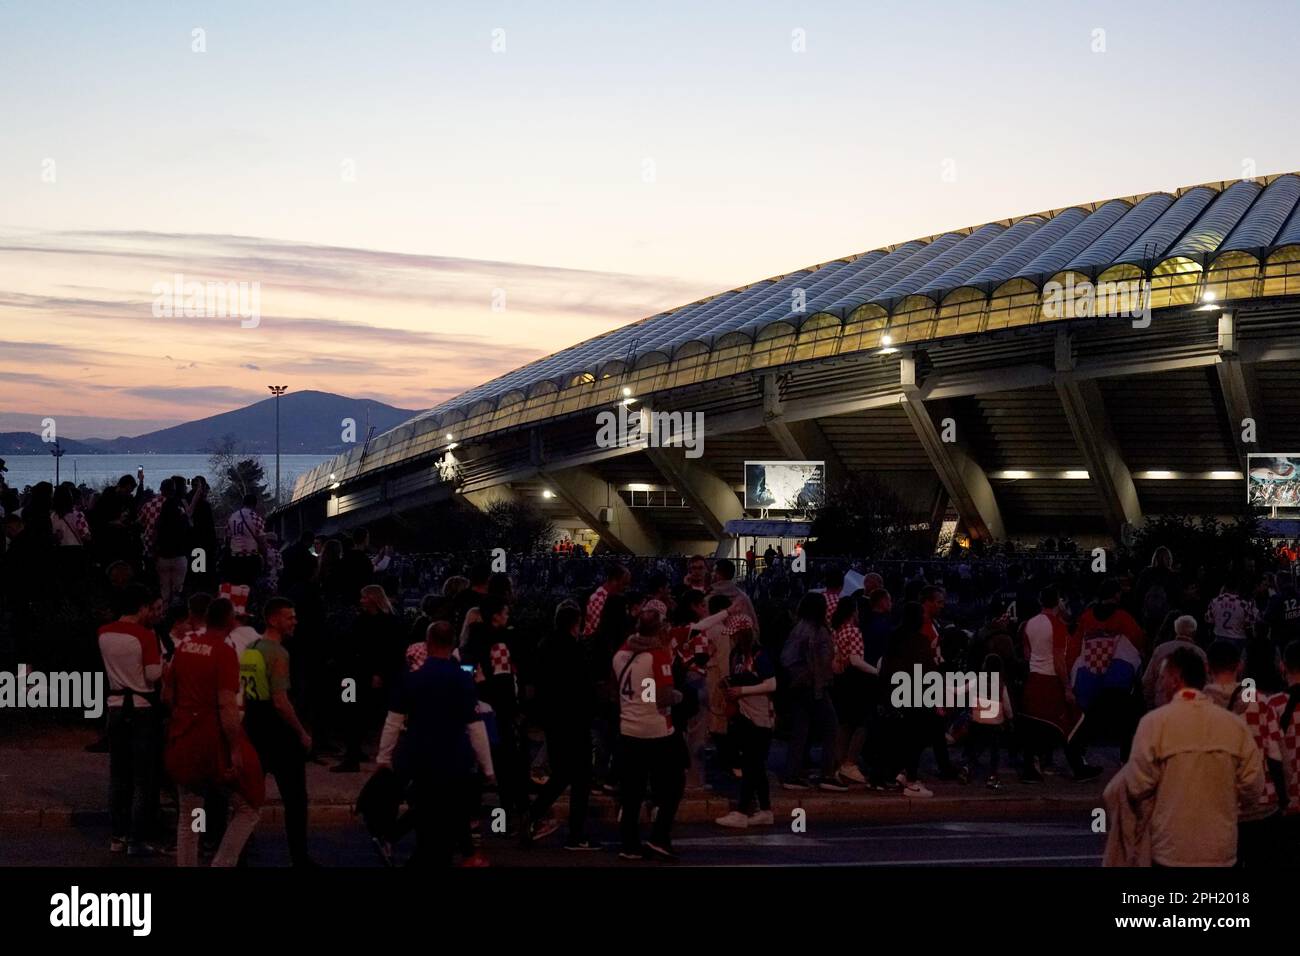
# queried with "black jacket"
point(565, 695)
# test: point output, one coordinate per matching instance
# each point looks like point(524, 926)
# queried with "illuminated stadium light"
point(1208, 297)
point(1225, 476)
point(886, 340)
point(639, 486)
point(1158, 475)
point(450, 437)
point(627, 392)
point(547, 493)
point(1017, 474)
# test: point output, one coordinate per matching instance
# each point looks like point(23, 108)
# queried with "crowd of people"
point(230, 658)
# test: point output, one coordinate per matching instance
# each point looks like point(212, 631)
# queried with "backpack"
point(794, 659)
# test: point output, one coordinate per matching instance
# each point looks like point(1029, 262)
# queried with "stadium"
point(950, 368)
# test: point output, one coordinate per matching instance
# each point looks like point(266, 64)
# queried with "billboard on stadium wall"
point(784, 485)
point(1273, 481)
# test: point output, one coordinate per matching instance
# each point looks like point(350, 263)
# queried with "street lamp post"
point(277, 391)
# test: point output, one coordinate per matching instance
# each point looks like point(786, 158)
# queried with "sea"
point(98, 470)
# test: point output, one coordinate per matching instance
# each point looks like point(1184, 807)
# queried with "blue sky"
point(764, 159)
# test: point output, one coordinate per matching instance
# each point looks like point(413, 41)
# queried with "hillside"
point(311, 423)
point(29, 443)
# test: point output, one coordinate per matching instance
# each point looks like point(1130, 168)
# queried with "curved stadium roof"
point(1239, 239)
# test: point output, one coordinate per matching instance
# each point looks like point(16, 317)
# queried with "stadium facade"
point(989, 375)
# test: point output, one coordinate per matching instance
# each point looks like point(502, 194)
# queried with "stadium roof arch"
point(1069, 420)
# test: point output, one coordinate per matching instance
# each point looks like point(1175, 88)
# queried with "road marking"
point(951, 861)
point(767, 839)
point(867, 836)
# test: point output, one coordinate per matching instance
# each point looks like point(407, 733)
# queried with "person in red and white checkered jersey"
point(1287, 709)
point(834, 581)
point(1253, 702)
point(488, 648)
point(617, 579)
point(147, 519)
point(851, 690)
point(848, 639)
point(70, 526)
point(689, 643)
point(688, 639)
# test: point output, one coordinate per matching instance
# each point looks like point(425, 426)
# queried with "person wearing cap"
point(749, 686)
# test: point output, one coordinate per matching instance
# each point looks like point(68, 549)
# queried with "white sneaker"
point(735, 819)
point(917, 790)
point(850, 772)
point(761, 818)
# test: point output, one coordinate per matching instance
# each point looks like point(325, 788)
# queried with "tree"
point(518, 526)
point(234, 476)
point(862, 516)
point(1206, 544)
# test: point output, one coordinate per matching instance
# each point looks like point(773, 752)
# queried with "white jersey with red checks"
point(645, 682)
point(1290, 740)
point(595, 605)
point(1262, 720)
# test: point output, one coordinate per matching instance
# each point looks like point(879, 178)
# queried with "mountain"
point(29, 443)
point(311, 423)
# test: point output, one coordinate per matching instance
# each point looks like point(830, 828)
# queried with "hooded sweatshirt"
point(643, 674)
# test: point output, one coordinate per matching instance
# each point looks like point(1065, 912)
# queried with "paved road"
point(954, 843)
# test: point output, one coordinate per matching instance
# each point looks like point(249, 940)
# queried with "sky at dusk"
point(431, 194)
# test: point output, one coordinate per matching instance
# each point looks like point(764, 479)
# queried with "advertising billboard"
point(1273, 481)
point(784, 485)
